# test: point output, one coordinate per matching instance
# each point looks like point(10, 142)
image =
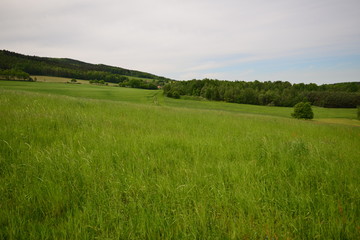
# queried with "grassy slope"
point(77, 168)
point(83, 91)
point(151, 96)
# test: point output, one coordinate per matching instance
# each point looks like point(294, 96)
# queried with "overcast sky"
point(290, 40)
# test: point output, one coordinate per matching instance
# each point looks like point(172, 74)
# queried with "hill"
point(70, 68)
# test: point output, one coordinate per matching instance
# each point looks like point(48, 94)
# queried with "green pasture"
point(346, 113)
point(83, 91)
point(65, 80)
point(74, 166)
point(57, 79)
point(156, 97)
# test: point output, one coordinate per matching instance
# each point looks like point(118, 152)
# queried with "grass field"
point(331, 115)
point(84, 91)
point(57, 79)
point(76, 166)
point(65, 80)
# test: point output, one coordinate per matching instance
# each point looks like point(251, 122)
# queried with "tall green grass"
point(74, 168)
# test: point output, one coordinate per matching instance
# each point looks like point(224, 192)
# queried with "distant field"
point(156, 97)
point(84, 91)
point(348, 113)
point(64, 80)
point(79, 168)
point(57, 79)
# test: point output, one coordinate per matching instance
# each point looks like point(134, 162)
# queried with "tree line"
point(278, 93)
point(15, 74)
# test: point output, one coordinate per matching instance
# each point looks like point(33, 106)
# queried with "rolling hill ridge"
point(70, 68)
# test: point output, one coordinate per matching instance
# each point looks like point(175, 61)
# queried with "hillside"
point(70, 68)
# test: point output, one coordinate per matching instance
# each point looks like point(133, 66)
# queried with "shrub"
point(173, 94)
point(303, 110)
point(169, 94)
point(176, 95)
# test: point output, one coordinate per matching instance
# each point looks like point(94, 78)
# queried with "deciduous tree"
point(303, 110)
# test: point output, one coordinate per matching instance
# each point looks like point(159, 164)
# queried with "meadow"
point(52, 86)
point(84, 91)
point(51, 79)
point(96, 162)
point(56, 79)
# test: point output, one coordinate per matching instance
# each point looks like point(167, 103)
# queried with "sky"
point(288, 40)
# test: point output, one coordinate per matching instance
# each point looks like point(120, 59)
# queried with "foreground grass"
point(84, 169)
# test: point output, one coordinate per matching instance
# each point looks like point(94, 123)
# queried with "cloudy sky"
point(290, 40)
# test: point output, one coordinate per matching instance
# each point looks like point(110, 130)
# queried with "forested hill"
point(69, 68)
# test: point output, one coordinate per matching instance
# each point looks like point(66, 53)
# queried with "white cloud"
point(178, 38)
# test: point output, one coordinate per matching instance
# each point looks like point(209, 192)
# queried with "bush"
point(303, 110)
point(173, 94)
point(169, 94)
point(176, 95)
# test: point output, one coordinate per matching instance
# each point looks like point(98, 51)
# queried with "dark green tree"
point(303, 110)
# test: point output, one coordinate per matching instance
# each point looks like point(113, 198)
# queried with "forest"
point(278, 93)
point(69, 68)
